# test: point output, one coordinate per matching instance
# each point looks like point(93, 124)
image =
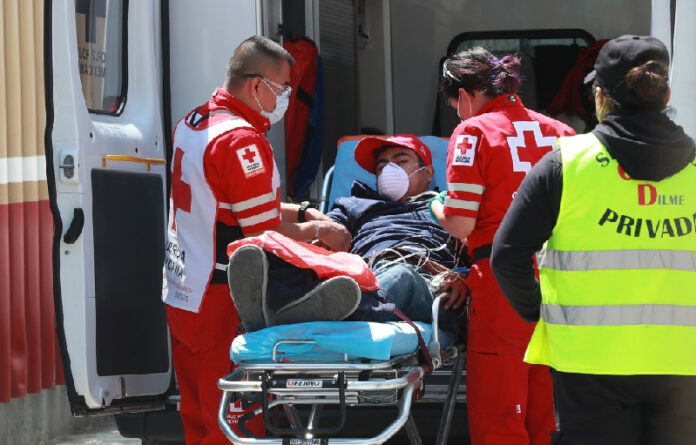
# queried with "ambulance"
point(118, 74)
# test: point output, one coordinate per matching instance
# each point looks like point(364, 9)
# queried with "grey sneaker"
point(333, 299)
point(247, 275)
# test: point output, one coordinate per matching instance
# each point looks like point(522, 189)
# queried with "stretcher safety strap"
point(619, 314)
point(422, 348)
point(637, 259)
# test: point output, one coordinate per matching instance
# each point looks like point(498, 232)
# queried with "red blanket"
point(326, 264)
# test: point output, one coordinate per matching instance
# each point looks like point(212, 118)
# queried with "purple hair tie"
point(495, 61)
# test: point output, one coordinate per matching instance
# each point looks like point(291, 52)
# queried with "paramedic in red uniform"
point(225, 186)
point(499, 140)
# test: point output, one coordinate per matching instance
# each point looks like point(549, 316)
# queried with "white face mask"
point(281, 107)
point(393, 181)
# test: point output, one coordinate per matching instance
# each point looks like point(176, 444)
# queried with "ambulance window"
point(547, 56)
point(102, 53)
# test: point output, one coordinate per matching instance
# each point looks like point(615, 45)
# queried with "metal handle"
point(129, 158)
point(68, 166)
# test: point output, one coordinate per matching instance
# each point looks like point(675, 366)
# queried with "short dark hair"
point(256, 55)
point(478, 69)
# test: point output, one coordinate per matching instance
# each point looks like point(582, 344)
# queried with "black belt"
point(482, 252)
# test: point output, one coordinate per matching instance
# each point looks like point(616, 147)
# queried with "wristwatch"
point(301, 212)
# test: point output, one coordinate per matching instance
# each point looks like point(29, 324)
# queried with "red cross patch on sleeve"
point(464, 150)
point(250, 160)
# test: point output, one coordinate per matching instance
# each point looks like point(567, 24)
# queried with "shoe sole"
point(332, 300)
point(247, 275)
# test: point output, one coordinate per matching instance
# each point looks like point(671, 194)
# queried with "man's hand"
point(313, 214)
point(453, 289)
point(334, 235)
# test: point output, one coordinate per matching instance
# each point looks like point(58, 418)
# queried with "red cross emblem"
point(532, 152)
point(249, 155)
point(528, 145)
point(465, 145)
point(181, 191)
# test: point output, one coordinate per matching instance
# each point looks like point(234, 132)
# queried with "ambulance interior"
point(382, 62)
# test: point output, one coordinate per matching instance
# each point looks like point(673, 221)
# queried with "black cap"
point(617, 57)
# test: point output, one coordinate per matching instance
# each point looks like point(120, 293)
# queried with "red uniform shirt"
point(254, 198)
point(488, 157)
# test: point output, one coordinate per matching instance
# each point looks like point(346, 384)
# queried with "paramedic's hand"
point(334, 236)
point(454, 290)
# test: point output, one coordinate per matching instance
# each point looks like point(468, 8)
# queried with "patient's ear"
point(429, 171)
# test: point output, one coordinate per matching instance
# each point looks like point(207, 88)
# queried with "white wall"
point(371, 74)
point(421, 30)
point(203, 35)
point(200, 43)
point(683, 73)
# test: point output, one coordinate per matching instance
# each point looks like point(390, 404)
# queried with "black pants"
point(624, 410)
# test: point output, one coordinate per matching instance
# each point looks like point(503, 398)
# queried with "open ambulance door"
point(683, 75)
point(107, 179)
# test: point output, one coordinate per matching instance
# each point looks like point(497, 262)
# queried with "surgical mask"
point(281, 107)
point(393, 181)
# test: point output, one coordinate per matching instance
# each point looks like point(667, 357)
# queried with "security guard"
point(615, 212)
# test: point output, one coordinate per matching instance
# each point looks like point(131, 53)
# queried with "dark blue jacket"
point(377, 224)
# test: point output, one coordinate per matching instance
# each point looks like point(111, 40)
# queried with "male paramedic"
point(509, 402)
point(411, 255)
point(224, 186)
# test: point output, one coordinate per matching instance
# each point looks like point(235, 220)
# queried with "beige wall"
point(22, 103)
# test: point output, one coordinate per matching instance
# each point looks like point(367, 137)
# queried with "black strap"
point(304, 97)
point(201, 117)
point(482, 252)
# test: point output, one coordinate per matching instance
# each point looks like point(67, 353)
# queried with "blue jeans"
point(407, 288)
point(401, 285)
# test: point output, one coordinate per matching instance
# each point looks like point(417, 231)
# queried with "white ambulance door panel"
point(683, 74)
point(109, 200)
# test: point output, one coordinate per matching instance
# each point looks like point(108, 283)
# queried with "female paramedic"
point(497, 143)
point(614, 211)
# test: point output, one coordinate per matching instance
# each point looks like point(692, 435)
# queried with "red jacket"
point(488, 157)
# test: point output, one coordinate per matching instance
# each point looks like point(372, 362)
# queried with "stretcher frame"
point(394, 382)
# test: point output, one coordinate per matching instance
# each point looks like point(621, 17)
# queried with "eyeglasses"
point(276, 88)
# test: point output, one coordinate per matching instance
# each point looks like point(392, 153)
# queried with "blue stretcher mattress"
point(358, 339)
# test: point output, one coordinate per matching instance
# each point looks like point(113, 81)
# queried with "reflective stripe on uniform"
point(461, 204)
point(463, 187)
point(574, 260)
point(258, 219)
point(249, 203)
point(619, 314)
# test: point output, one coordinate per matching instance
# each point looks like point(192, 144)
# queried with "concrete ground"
point(101, 431)
point(44, 419)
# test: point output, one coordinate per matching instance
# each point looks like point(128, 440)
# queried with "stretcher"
point(303, 369)
point(314, 364)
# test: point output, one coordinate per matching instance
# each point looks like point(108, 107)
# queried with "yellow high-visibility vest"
point(618, 275)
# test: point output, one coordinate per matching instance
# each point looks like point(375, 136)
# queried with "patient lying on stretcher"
point(411, 256)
